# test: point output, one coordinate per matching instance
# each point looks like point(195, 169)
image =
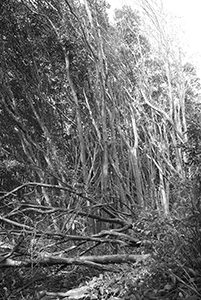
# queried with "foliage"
point(100, 141)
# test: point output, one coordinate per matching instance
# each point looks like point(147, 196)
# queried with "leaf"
point(167, 287)
point(77, 293)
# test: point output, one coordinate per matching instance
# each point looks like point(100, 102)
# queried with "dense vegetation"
point(100, 156)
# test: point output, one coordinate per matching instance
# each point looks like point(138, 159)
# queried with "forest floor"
point(171, 270)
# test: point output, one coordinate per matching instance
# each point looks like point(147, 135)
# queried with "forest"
point(100, 154)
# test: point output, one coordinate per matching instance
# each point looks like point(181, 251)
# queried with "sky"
point(189, 13)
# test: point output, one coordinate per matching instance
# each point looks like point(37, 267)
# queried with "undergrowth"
point(173, 270)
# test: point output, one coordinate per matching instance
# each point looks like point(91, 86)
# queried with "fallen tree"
point(98, 262)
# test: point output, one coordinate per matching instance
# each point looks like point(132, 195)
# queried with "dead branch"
point(89, 261)
point(69, 189)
